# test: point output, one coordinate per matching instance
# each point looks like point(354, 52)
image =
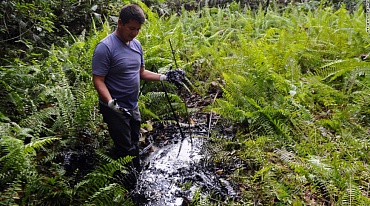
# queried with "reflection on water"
point(173, 173)
point(166, 170)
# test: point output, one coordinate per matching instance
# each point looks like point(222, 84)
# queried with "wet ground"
point(174, 171)
point(176, 163)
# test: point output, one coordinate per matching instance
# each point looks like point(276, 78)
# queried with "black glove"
point(176, 77)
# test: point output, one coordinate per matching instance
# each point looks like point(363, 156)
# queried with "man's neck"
point(125, 42)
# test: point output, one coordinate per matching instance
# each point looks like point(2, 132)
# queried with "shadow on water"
point(174, 173)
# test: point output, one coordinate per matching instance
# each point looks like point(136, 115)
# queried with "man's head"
point(129, 24)
point(131, 12)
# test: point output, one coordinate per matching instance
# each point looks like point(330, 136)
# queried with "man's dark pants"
point(125, 132)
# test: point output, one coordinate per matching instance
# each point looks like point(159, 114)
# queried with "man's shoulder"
point(109, 40)
point(135, 44)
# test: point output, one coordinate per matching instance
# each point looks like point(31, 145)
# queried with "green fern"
point(249, 100)
point(358, 77)
point(18, 162)
point(156, 105)
point(352, 196)
point(40, 121)
point(97, 186)
point(112, 193)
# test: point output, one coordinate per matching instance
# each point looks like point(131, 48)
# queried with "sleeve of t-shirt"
point(142, 57)
point(101, 60)
point(142, 60)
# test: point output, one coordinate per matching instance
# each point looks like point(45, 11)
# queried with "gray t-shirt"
point(120, 64)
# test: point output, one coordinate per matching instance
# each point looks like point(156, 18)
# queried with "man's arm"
point(103, 92)
point(148, 75)
point(101, 88)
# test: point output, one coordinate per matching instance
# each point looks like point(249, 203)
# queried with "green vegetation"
point(294, 87)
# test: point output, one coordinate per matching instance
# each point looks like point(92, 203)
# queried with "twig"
point(169, 102)
point(188, 117)
point(210, 115)
point(173, 53)
point(19, 36)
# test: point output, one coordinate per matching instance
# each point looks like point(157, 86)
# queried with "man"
point(117, 67)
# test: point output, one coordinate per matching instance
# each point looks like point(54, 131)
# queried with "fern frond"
point(286, 156)
point(108, 195)
point(12, 155)
point(19, 132)
point(101, 175)
point(36, 144)
point(10, 196)
point(353, 77)
point(40, 121)
point(279, 126)
point(66, 105)
point(105, 157)
point(219, 152)
point(157, 105)
point(228, 110)
point(352, 195)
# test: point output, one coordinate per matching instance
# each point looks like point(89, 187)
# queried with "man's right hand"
point(113, 105)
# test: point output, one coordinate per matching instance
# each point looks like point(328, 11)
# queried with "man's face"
point(127, 32)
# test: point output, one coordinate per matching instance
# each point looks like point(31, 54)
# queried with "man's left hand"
point(175, 77)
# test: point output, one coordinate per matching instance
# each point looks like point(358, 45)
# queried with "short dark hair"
point(132, 12)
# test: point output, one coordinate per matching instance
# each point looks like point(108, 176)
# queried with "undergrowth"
point(293, 85)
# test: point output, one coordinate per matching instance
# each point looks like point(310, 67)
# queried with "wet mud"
point(175, 169)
